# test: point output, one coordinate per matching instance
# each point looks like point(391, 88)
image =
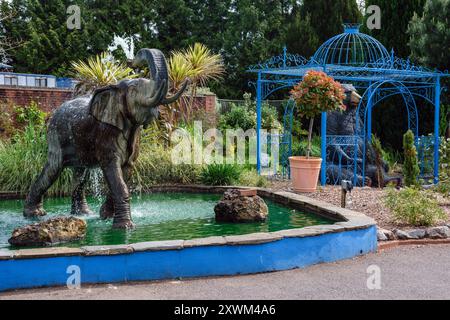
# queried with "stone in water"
point(235, 207)
point(49, 232)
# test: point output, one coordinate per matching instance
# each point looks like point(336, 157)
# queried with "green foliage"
point(444, 168)
point(414, 207)
point(411, 168)
point(301, 147)
point(30, 114)
point(376, 144)
point(99, 71)
point(22, 159)
point(300, 36)
point(317, 93)
point(238, 117)
point(244, 116)
point(244, 32)
point(337, 13)
point(394, 26)
point(14, 119)
point(154, 166)
point(251, 178)
point(430, 35)
point(220, 174)
point(393, 159)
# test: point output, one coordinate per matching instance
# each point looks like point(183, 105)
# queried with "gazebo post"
point(437, 103)
point(258, 122)
point(323, 174)
point(369, 114)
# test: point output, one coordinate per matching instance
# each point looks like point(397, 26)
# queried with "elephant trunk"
point(156, 62)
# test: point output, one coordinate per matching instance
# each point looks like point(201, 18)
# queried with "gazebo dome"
point(352, 48)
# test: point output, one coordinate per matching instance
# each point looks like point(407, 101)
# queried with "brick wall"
point(206, 103)
point(47, 98)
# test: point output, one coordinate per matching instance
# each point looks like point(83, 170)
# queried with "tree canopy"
point(244, 32)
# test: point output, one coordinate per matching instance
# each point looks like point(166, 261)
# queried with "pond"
point(159, 216)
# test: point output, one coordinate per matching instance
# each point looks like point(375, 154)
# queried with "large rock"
point(438, 232)
point(385, 235)
point(241, 206)
point(401, 235)
point(52, 231)
point(417, 234)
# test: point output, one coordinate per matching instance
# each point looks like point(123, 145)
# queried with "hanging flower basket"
point(317, 93)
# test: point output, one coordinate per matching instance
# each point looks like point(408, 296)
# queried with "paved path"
point(413, 272)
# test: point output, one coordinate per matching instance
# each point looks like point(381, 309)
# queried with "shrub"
point(393, 158)
point(238, 117)
point(411, 168)
point(16, 118)
point(244, 116)
point(30, 114)
point(251, 178)
point(301, 147)
point(378, 150)
point(220, 174)
point(414, 207)
point(315, 94)
point(154, 166)
point(444, 168)
point(22, 159)
point(99, 71)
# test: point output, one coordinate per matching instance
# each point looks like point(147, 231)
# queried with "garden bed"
point(365, 200)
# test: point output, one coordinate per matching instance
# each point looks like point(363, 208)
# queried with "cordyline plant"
point(317, 93)
point(98, 71)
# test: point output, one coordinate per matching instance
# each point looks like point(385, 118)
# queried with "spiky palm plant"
point(98, 71)
point(205, 66)
point(179, 70)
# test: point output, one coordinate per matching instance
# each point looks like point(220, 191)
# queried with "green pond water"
point(159, 216)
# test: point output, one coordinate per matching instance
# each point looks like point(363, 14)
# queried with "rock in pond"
point(49, 232)
point(241, 206)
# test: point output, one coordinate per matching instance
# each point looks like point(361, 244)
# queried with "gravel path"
point(415, 272)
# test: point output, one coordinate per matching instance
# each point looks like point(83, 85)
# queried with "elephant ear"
point(107, 106)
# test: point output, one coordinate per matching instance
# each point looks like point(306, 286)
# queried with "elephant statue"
point(103, 130)
point(341, 159)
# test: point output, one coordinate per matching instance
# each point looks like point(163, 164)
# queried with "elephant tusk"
point(172, 99)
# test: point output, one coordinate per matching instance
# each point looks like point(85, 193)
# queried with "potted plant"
point(317, 93)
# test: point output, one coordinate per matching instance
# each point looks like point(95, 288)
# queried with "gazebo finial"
point(392, 57)
point(352, 27)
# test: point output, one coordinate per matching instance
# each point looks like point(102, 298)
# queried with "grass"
point(22, 159)
point(24, 155)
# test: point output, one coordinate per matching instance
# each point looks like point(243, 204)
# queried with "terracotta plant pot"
point(305, 173)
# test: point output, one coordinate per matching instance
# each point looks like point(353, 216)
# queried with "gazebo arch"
point(359, 59)
point(375, 94)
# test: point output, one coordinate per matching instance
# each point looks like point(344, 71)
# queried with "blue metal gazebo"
point(356, 58)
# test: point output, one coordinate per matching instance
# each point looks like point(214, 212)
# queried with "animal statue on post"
point(103, 130)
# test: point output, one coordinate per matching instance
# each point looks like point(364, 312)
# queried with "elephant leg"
point(107, 208)
point(79, 203)
point(34, 199)
point(120, 196)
